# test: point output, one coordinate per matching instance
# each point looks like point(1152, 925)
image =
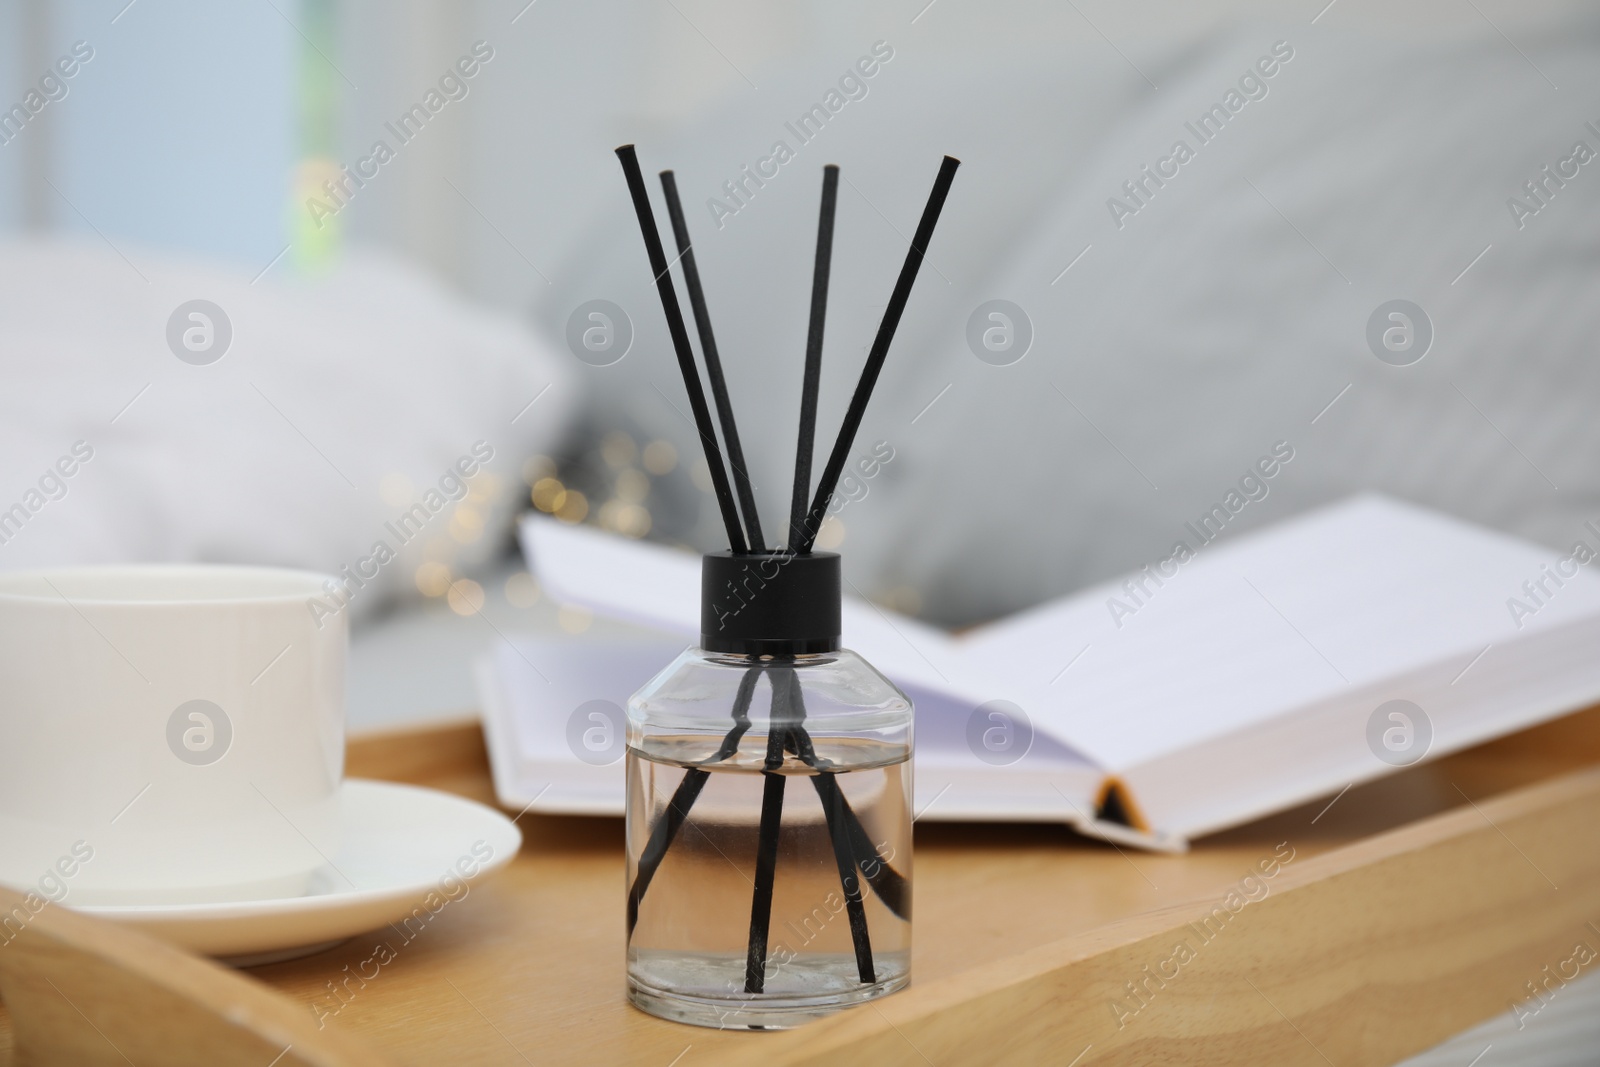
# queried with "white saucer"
point(400, 843)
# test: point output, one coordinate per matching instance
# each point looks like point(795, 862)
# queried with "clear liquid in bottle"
point(736, 928)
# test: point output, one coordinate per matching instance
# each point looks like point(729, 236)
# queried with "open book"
point(1258, 673)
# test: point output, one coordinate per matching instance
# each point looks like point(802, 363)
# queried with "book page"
point(1328, 603)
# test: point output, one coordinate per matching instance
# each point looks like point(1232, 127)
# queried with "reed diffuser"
point(769, 769)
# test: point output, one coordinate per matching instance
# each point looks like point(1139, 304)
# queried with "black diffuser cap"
point(770, 603)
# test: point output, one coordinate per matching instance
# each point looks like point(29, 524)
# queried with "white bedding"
point(337, 407)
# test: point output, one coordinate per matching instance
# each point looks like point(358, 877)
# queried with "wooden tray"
point(1412, 908)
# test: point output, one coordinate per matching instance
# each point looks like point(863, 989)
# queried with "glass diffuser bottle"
point(769, 810)
point(768, 769)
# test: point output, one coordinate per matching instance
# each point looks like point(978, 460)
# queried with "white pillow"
point(336, 407)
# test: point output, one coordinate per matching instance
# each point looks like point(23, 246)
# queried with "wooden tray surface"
point(1414, 907)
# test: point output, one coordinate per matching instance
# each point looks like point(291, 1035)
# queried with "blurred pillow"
point(369, 424)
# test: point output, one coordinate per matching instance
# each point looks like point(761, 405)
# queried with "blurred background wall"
point(187, 127)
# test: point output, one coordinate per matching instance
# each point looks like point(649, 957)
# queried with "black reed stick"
point(755, 967)
point(845, 860)
point(676, 814)
point(880, 350)
point(680, 344)
point(889, 884)
point(661, 838)
point(813, 371)
point(708, 346)
point(833, 811)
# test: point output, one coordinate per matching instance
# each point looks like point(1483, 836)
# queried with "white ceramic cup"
point(168, 734)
